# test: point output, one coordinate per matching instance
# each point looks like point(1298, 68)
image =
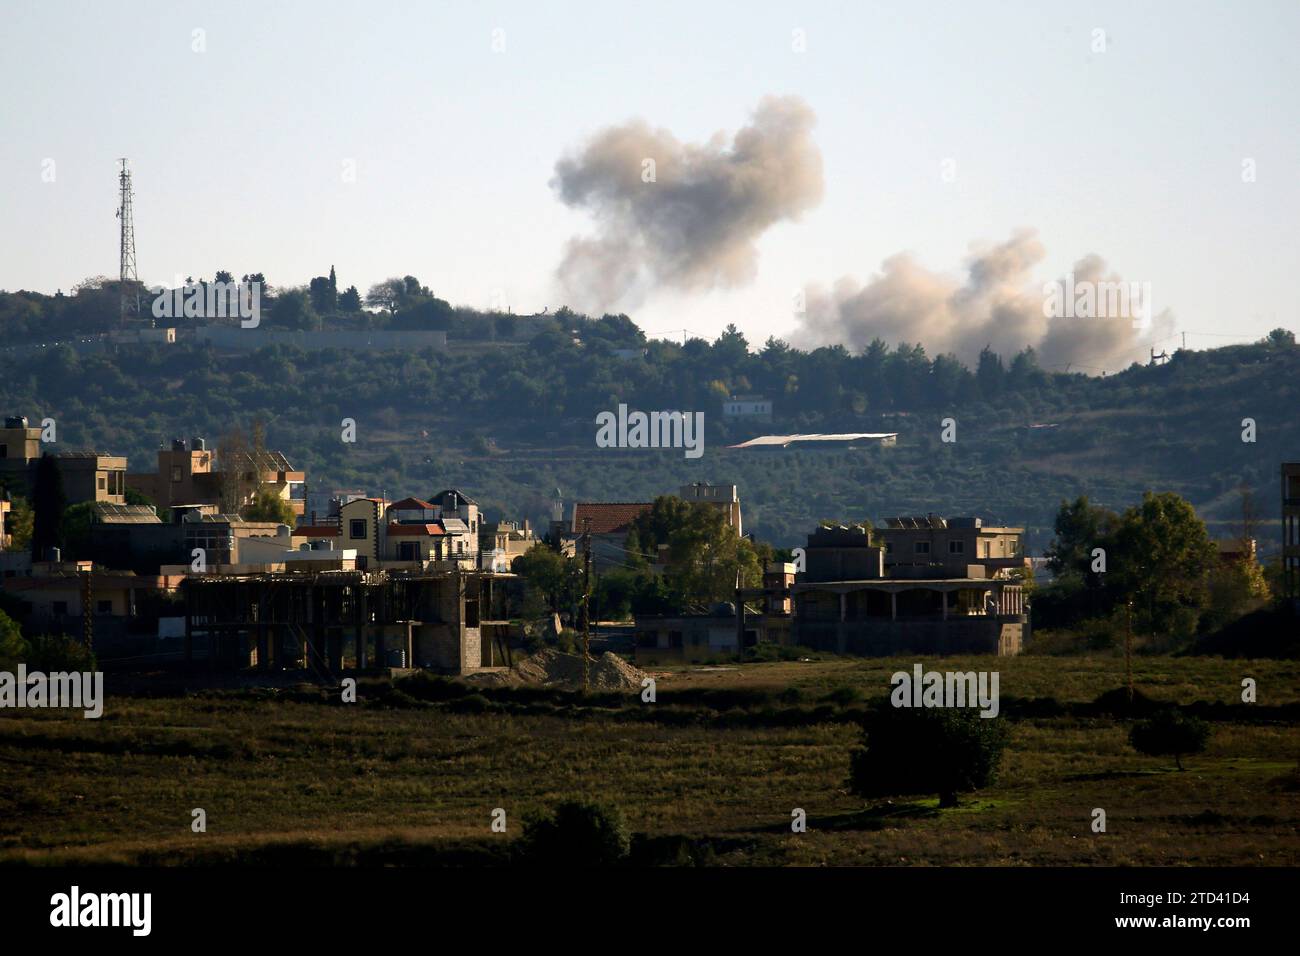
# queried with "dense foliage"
point(507, 411)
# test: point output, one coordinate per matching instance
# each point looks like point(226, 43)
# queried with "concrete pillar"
point(361, 616)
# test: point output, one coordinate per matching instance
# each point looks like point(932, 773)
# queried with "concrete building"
point(92, 476)
point(849, 600)
point(191, 473)
point(86, 476)
point(751, 407)
point(452, 622)
point(921, 544)
point(500, 542)
point(1291, 533)
point(723, 497)
point(54, 596)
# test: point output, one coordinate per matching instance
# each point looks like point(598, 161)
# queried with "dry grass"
point(323, 782)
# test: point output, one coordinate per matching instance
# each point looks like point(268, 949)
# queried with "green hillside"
point(510, 421)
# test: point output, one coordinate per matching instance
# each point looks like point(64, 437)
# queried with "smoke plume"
point(997, 304)
point(681, 215)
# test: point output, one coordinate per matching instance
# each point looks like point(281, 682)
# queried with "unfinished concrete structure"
point(849, 602)
point(327, 621)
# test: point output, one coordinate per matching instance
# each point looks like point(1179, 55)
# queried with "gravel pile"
point(550, 668)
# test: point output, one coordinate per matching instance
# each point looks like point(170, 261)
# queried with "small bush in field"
point(927, 750)
point(578, 833)
point(1170, 733)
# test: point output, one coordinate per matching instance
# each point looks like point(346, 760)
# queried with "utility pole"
point(586, 601)
point(1128, 650)
point(87, 621)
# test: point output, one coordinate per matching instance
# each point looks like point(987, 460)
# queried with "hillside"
point(510, 424)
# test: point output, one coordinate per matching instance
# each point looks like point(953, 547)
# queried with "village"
point(226, 567)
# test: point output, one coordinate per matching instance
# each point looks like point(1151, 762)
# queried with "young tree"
point(941, 750)
point(269, 506)
point(1170, 733)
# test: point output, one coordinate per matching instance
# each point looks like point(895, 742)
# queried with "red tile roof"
point(411, 504)
point(607, 517)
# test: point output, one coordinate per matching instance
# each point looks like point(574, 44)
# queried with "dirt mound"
point(550, 668)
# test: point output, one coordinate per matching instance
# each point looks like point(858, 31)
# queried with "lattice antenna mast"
point(126, 223)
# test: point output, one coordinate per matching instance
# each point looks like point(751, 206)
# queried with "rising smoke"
point(694, 225)
point(998, 305)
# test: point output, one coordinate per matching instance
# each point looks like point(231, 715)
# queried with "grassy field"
point(708, 774)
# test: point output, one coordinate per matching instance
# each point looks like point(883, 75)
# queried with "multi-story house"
point(916, 545)
point(86, 476)
point(191, 473)
point(849, 599)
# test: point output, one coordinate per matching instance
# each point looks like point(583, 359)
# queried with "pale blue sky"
point(1133, 154)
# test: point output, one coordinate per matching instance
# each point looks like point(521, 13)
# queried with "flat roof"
point(784, 441)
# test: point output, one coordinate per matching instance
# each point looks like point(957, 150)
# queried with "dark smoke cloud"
point(695, 227)
point(997, 304)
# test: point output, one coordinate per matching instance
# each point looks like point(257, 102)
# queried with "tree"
point(389, 294)
point(989, 373)
point(578, 833)
point(13, 649)
point(1080, 527)
point(324, 297)
point(350, 300)
point(943, 750)
point(48, 505)
point(1170, 733)
point(548, 572)
point(74, 530)
point(269, 506)
point(1280, 339)
point(705, 556)
point(233, 456)
point(1159, 561)
point(293, 310)
point(19, 524)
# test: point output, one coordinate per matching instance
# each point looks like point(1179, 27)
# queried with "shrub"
point(927, 750)
point(578, 833)
point(1170, 733)
point(55, 652)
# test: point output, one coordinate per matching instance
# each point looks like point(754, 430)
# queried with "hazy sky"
point(1134, 154)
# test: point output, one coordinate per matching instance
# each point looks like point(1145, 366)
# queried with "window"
point(956, 547)
point(889, 547)
point(357, 528)
point(103, 607)
point(407, 551)
point(923, 547)
point(102, 482)
point(4, 451)
point(60, 607)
